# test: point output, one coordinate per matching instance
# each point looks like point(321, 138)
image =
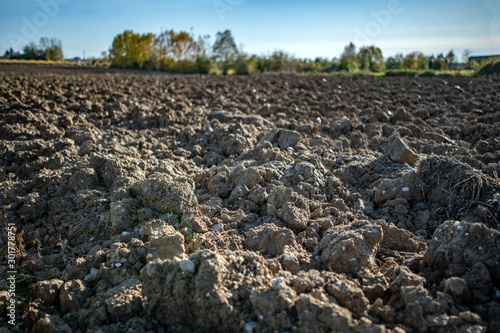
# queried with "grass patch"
point(39, 62)
point(429, 72)
point(99, 63)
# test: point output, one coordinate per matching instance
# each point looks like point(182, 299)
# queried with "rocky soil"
point(164, 203)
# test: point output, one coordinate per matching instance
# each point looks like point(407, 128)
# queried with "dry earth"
point(164, 203)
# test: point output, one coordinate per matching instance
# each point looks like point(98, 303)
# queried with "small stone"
point(469, 317)
point(481, 211)
point(399, 152)
point(400, 114)
point(187, 266)
point(289, 256)
point(437, 137)
point(342, 126)
point(92, 276)
point(457, 287)
point(251, 326)
point(218, 227)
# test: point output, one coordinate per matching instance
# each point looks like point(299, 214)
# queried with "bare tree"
point(465, 55)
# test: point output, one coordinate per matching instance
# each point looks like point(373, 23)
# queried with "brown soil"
point(165, 203)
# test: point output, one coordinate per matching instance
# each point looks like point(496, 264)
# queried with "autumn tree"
point(410, 61)
point(415, 60)
point(131, 50)
point(178, 46)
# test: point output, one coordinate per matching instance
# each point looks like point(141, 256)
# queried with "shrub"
point(492, 68)
point(242, 65)
point(167, 64)
point(402, 72)
point(185, 67)
point(202, 65)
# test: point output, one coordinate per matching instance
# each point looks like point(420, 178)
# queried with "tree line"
point(46, 49)
point(183, 52)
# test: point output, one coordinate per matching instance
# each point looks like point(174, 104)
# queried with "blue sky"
point(304, 29)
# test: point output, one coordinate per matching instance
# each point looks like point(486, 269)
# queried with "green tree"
point(415, 60)
point(33, 52)
point(262, 64)
point(52, 49)
point(131, 50)
point(451, 59)
point(10, 54)
point(394, 62)
point(399, 58)
point(438, 63)
point(370, 58)
point(433, 64)
point(54, 53)
point(423, 61)
point(348, 59)
point(242, 65)
point(225, 50)
point(279, 61)
point(202, 64)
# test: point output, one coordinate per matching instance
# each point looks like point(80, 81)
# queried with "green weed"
point(183, 219)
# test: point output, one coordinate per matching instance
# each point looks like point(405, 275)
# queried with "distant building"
point(76, 59)
point(478, 59)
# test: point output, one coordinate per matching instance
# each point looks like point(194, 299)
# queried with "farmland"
point(152, 201)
